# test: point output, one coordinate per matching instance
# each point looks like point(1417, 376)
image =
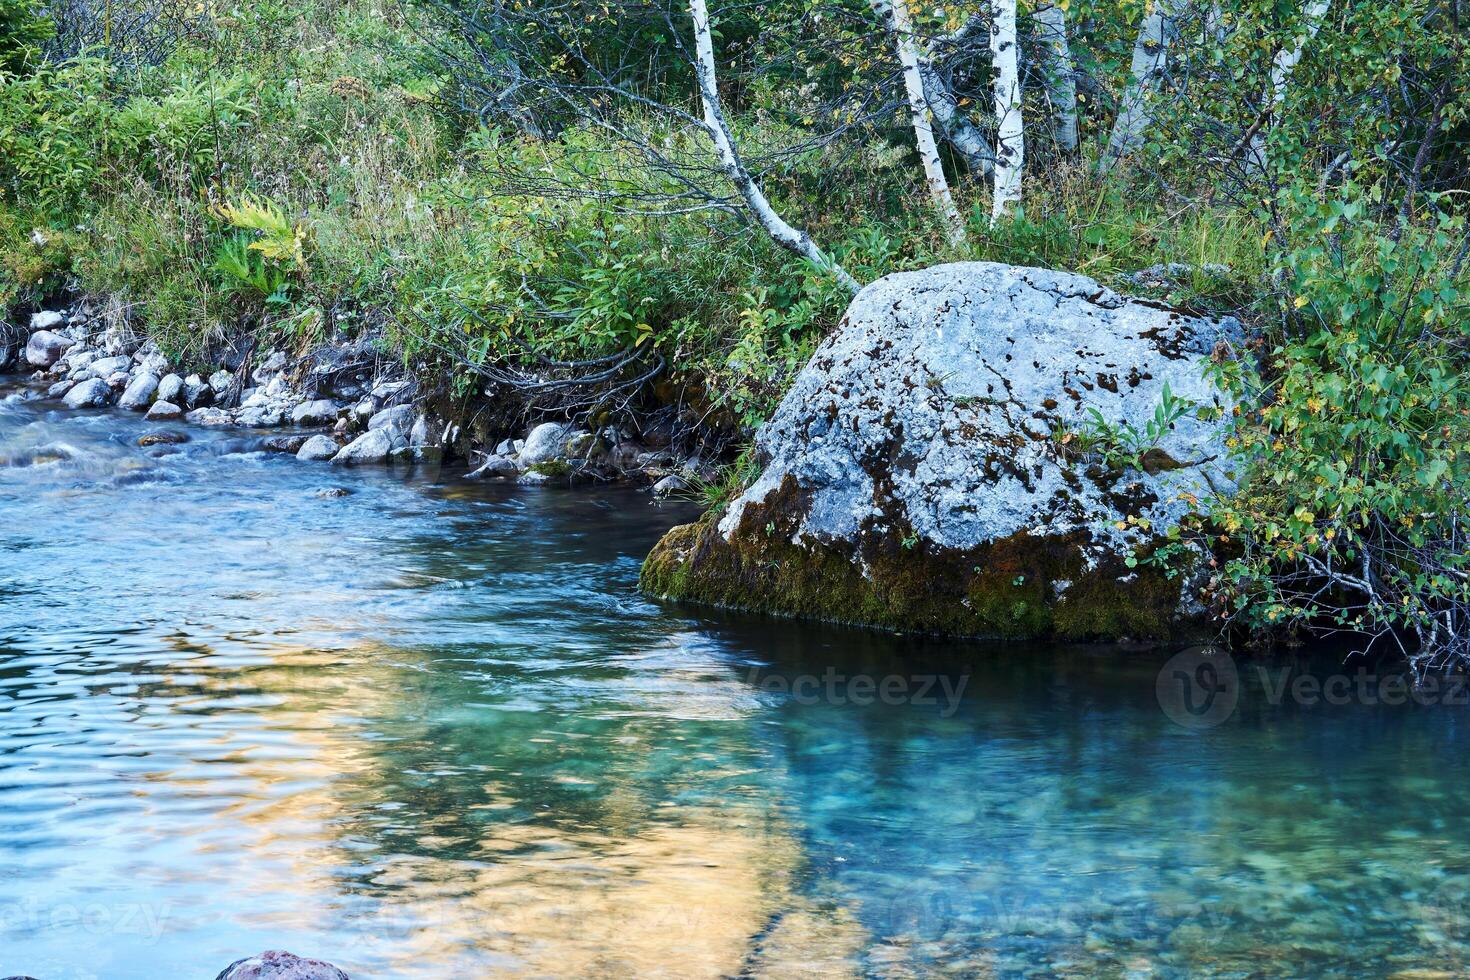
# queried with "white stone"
point(164, 411)
point(935, 403)
point(322, 411)
point(544, 444)
point(46, 319)
point(318, 447)
point(139, 393)
point(45, 348)
point(92, 393)
point(170, 388)
point(372, 446)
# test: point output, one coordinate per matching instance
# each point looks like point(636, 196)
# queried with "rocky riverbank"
point(337, 403)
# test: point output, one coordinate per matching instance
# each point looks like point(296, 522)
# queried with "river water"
point(428, 728)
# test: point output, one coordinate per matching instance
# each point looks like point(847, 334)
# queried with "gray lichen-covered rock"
point(919, 474)
point(162, 411)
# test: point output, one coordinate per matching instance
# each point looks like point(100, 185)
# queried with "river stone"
point(497, 467)
point(45, 348)
point(139, 393)
point(46, 319)
point(396, 420)
point(670, 485)
point(261, 415)
point(322, 411)
point(92, 393)
point(916, 475)
point(220, 380)
point(162, 411)
point(277, 964)
point(197, 392)
point(59, 388)
point(318, 448)
point(544, 444)
point(171, 389)
point(166, 438)
point(151, 361)
point(106, 367)
point(373, 446)
point(212, 417)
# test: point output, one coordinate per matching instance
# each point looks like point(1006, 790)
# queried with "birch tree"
point(782, 233)
point(1060, 73)
point(1010, 149)
point(1282, 66)
point(895, 14)
point(954, 123)
point(1147, 69)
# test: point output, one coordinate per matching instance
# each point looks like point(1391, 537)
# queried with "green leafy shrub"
point(1356, 506)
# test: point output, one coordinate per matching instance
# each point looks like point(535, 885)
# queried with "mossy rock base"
point(1021, 587)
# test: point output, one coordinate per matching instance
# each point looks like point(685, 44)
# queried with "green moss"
point(558, 469)
point(1008, 589)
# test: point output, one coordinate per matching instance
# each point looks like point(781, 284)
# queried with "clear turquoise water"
point(430, 729)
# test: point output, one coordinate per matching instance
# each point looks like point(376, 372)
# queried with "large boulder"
point(936, 465)
point(45, 348)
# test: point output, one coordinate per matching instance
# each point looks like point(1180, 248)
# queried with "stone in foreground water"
point(277, 964)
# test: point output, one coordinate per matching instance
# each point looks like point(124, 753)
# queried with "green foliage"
point(1123, 445)
point(1358, 439)
point(23, 29)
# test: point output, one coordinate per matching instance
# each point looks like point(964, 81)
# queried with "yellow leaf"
point(1300, 301)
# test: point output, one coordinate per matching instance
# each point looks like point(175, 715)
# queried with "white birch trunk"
point(1282, 66)
point(1150, 58)
point(962, 134)
point(895, 14)
point(1061, 77)
point(1010, 148)
point(781, 233)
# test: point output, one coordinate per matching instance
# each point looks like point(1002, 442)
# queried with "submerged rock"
point(919, 474)
point(277, 964)
point(166, 438)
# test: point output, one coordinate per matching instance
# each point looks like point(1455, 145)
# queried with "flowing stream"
point(429, 728)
